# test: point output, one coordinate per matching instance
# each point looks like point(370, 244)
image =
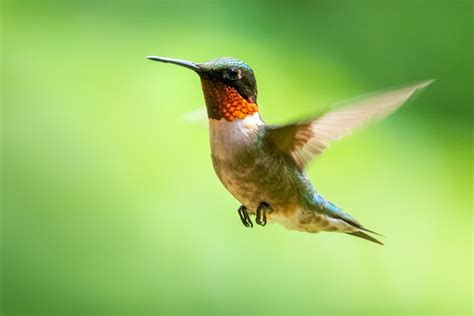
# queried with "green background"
point(110, 205)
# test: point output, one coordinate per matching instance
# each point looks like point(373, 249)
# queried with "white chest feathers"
point(228, 137)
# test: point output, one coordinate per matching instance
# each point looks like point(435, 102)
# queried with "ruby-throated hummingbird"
point(263, 165)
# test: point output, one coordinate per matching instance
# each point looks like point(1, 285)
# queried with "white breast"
point(228, 137)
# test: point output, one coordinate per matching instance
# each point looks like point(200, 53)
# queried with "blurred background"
point(110, 204)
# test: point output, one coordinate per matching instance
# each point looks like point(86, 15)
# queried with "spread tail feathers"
point(363, 235)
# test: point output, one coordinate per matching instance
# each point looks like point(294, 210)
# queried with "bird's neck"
point(224, 102)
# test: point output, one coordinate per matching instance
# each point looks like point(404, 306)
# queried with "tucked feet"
point(262, 209)
point(244, 217)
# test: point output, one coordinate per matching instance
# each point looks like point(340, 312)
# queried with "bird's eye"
point(232, 74)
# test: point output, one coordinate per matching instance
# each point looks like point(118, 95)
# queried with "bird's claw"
point(244, 217)
point(261, 218)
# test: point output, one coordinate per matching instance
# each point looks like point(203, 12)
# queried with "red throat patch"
point(225, 102)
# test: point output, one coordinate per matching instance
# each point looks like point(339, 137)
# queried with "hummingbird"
point(263, 166)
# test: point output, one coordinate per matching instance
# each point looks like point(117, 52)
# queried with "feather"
point(305, 140)
point(365, 236)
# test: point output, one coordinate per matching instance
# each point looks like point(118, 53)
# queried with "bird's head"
point(229, 86)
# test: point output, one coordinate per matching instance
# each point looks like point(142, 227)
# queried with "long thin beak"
point(179, 62)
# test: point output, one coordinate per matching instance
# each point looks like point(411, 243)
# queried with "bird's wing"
point(304, 140)
point(197, 116)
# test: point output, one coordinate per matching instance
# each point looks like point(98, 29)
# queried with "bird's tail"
point(365, 236)
point(354, 227)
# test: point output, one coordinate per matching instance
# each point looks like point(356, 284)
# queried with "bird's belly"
point(256, 181)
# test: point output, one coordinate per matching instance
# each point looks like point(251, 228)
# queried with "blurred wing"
point(305, 140)
point(197, 116)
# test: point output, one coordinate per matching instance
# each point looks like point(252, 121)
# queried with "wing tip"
point(425, 83)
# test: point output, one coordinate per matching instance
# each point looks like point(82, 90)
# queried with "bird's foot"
point(244, 217)
point(262, 210)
